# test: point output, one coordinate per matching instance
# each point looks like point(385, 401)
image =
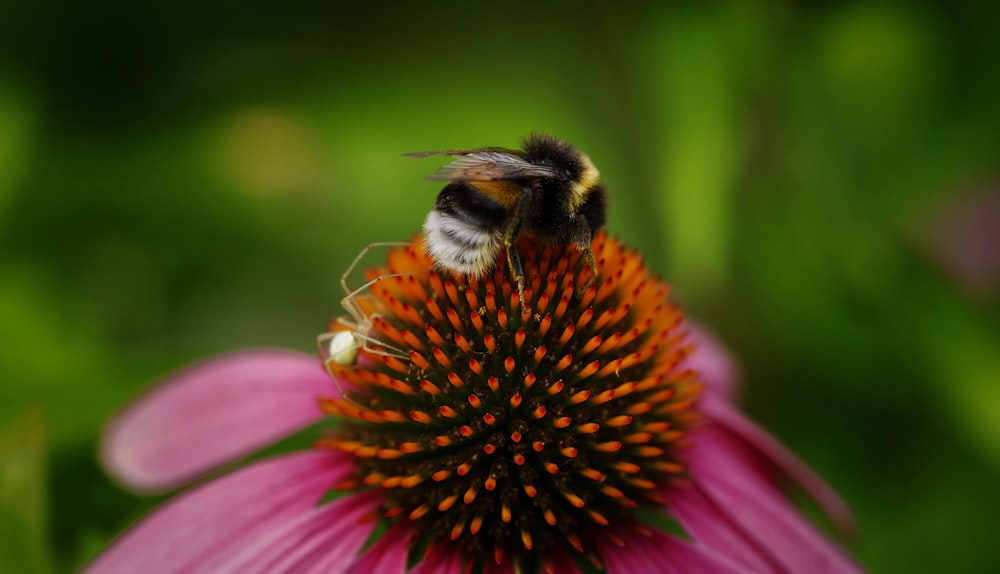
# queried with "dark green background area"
point(178, 180)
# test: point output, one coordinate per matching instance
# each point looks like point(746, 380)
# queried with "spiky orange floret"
point(511, 428)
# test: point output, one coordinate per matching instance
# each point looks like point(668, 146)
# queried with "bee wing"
point(458, 152)
point(486, 164)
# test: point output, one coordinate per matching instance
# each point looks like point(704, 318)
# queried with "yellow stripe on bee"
point(589, 176)
point(506, 193)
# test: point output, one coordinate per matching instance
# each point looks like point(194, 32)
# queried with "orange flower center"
point(512, 431)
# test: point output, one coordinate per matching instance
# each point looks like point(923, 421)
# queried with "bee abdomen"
point(464, 231)
point(459, 246)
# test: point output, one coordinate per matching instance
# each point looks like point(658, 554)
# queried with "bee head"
point(580, 173)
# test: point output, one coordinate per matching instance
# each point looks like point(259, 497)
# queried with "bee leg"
point(509, 240)
point(591, 263)
point(514, 262)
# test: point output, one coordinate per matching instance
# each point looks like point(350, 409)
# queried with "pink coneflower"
point(593, 431)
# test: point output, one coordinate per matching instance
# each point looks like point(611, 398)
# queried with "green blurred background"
point(820, 181)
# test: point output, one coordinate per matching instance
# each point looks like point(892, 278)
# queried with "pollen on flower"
point(510, 432)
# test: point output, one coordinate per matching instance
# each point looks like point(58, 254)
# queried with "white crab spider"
point(342, 346)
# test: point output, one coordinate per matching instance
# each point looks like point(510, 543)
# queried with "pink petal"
point(561, 563)
point(663, 553)
point(491, 567)
point(712, 362)
point(620, 559)
point(445, 559)
point(203, 526)
point(963, 234)
point(759, 512)
point(787, 463)
point(213, 413)
point(324, 539)
point(388, 555)
point(711, 527)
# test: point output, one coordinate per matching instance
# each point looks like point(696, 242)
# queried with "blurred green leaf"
point(170, 188)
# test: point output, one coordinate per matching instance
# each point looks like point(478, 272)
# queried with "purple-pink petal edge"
point(200, 530)
point(211, 414)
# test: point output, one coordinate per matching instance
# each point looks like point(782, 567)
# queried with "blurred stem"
point(17, 130)
point(962, 350)
point(23, 546)
point(702, 155)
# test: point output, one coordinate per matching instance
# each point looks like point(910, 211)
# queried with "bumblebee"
point(549, 189)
